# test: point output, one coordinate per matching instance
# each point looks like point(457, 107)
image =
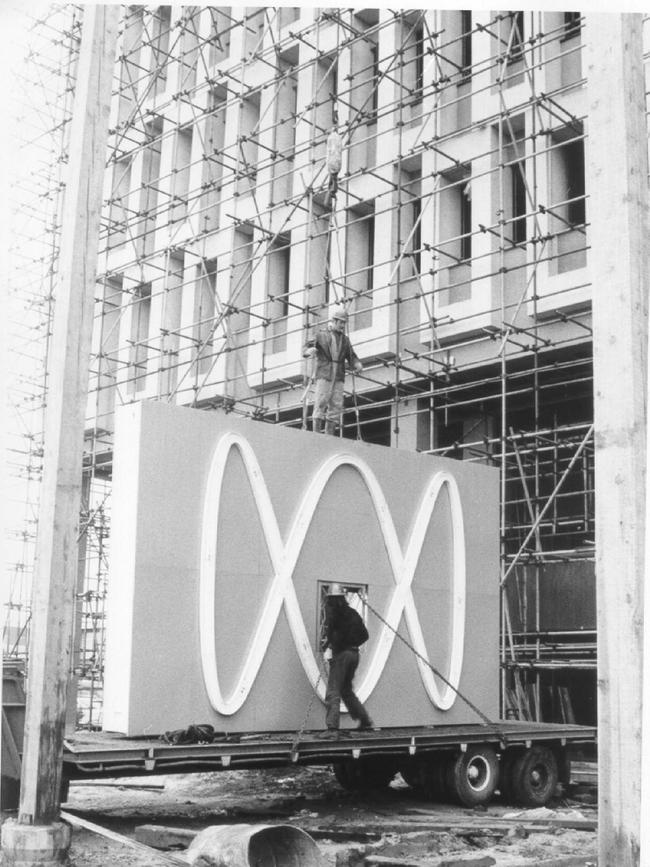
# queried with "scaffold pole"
point(619, 267)
point(37, 830)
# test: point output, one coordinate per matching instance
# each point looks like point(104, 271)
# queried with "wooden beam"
point(617, 182)
point(56, 548)
point(78, 822)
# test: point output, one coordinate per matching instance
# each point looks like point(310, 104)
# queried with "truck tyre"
point(364, 774)
point(534, 777)
point(473, 776)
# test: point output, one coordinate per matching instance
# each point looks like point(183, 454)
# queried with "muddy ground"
point(348, 827)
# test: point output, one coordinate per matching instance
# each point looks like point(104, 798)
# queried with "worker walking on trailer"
point(345, 632)
point(331, 348)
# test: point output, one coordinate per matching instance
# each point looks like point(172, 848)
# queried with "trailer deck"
point(103, 754)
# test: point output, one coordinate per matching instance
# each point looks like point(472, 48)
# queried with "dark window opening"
point(518, 203)
point(465, 223)
point(572, 24)
point(139, 354)
point(466, 42)
point(374, 100)
point(416, 240)
point(371, 252)
point(574, 153)
point(516, 36)
point(279, 278)
point(419, 64)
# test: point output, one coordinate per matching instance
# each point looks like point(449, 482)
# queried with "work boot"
point(318, 425)
point(329, 735)
point(330, 428)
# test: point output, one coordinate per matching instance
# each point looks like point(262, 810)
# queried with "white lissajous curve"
point(283, 562)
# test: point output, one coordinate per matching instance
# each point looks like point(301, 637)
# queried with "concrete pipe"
point(259, 845)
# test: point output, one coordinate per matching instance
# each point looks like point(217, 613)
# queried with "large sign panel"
point(226, 532)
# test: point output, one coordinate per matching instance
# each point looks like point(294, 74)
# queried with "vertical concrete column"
point(617, 183)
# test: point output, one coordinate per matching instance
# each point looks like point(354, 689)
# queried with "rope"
point(294, 746)
point(485, 719)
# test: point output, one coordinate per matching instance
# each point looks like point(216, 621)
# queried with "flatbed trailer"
point(462, 763)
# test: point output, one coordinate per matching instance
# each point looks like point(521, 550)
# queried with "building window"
point(279, 266)
point(319, 260)
point(465, 207)
point(515, 36)
point(573, 156)
point(518, 202)
point(419, 64)
point(108, 354)
point(572, 24)
point(214, 132)
point(204, 311)
point(221, 26)
point(140, 317)
point(241, 275)
point(359, 258)
point(287, 14)
point(514, 181)
point(149, 190)
point(410, 80)
point(247, 146)
point(466, 42)
point(119, 212)
point(375, 76)
point(160, 47)
point(285, 130)
point(416, 237)
point(456, 218)
point(408, 208)
point(325, 88)
point(567, 210)
point(253, 29)
point(181, 174)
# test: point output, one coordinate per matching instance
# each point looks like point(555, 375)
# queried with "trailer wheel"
point(534, 776)
point(364, 774)
point(473, 776)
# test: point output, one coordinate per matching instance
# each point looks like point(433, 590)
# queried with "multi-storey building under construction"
point(455, 232)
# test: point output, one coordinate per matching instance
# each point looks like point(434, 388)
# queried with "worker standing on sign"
point(331, 348)
point(345, 631)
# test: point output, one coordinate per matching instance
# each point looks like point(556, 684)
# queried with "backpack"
point(357, 634)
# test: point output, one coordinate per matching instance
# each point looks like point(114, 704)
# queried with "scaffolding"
point(42, 92)
point(456, 235)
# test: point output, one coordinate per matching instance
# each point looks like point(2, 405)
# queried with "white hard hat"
point(338, 311)
point(335, 589)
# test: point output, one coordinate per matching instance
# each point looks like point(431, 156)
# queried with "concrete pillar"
point(617, 183)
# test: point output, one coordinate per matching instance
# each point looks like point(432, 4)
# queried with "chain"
point(486, 720)
point(301, 730)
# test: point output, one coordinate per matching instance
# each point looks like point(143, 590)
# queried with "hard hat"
point(339, 312)
point(335, 589)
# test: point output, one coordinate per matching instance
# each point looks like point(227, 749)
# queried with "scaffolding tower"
point(456, 233)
